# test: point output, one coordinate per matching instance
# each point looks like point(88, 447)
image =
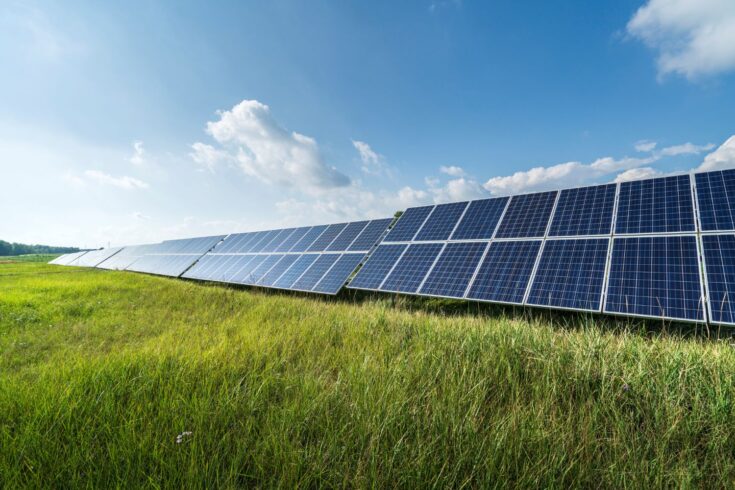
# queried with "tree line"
point(7, 248)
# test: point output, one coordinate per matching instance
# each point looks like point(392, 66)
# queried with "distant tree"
point(8, 248)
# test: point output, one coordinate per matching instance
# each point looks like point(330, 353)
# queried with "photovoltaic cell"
point(337, 276)
point(377, 267)
point(257, 273)
point(408, 224)
point(661, 205)
point(280, 237)
point(716, 200)
point(370, 235)
point(292, 240)
point(441, 222)
point(584, 211)
point(719, 258)
point(242, 274)
point(327, 237)
point(347, 236)
point(287, 280)
point(410, 271)
point(277, 270)
point(454, 269)
point(309, 238)
point(94, 257)
point(265, 239)
point(314, 273)
point(527, 216)
point(570, 274)
point(655, 276)
point(505, 272)
point(480, 219)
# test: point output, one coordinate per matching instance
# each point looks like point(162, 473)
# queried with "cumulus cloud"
point(452, 170)
point(372, 162)
point(722, 158)
point(685, 149)
point(645, 146)
point(692, 38)
point(208, 156)
point(123, 182)
point(268, 152)
point(638, 174)
point(138, 153)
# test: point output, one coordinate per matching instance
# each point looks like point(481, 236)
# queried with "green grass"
point(44, 258)
point(101, 371)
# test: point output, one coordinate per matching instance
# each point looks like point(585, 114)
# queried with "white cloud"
point(139, 215)
point(452, 170)
point(372, 162)
point(638, 174)
point(693, 38)
point(461, 189)
point(645, 146)
point(73, 180)
point(124, 182)
point(208, 156)
point(685, 149)
point(138, 153)
point(722, 158)
point(267, 151)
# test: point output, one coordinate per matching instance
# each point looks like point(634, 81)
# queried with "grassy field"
point(112, 379)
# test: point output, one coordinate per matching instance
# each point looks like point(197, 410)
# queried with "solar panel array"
point(659, 248)
point(651, 248)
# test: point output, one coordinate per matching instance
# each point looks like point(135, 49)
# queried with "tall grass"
point(112, 379)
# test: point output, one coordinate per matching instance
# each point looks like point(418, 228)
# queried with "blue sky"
point(149, 120)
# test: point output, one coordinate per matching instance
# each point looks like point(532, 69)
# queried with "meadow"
point(115, 379)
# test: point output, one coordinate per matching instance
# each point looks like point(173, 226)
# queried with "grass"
point(112, 379)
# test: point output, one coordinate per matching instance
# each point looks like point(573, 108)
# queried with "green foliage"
point(7, 248)
point(111, 379)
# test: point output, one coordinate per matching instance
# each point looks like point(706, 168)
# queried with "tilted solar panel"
point(441, 222)
point(527, 216)
point(68, 259)
point(173, 257)
point(505, 272)
point(480, 219)
point(655, 276)
point(295, 271)
point(277, 270)
point(315, 272)
point(376, 269)
point(125, 257)
point(716, 200)
point(336, 277)
point(326, 238)
point(719, 261)
point(584, 211)
point(370, 235)
point(293, 239)
point(95, 257)
point(347, 236)
point(454, 270)
point(411, 269)
point(662, 205)
point(570, 274)
point(408, 224)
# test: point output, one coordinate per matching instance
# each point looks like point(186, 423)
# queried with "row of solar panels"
point(313, 258)
point(655, 247)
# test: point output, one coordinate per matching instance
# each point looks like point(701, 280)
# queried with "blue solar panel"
point(505, 272)
point(370, 235)
point(293, 273)
point(265, 239)
point(292, 239)
point(347, 236)
point(242, 274)
point(661, 205)
point(230, 269)
point(441, 222)
point(377, 267)
point(277, 270)
point(257, 273)
point(337, 276)
point(234, 243)
point(570, 274)
point(716, 200)
point(314, 273)
point(408, 224)
point(584, 211)
point(327, 237)
point(655, 276)
point(719, 259)
point(277, 240)
point(309, 238)
point(454, 269)
point(527, 216)
point(412, 268)
point(480, 219)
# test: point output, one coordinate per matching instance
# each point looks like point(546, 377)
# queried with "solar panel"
point(309, 238)
point(293, 239)
point(347, 236)
point(454, 269)
point(480, 219)
point(125, 257)
point(337, 276)
point(265, 239)
point(441, 222)
point(277, 240)
point(375, 270)
point(584, 211)
point(570, 274)
point(95, 257)
point(68, 259)
point(257, 273)
point(409, 272)
point(313, 274)
point(408, 224)
point(655, 276)
point(505, 272)
point(662, 205)
point(302, 263)
point(719, 261)
point(527, 216)
point(321, 243)
point(173, 257)
point(716, 200)
point(370, 235)
point(241, 272)
point(278, 270)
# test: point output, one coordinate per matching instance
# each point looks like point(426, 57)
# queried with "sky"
point(133, 122)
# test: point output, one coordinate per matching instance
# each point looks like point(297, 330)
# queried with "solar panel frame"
point(709, 269)
point(421, 259)
point(528, 216)
point(441, 222)
point(386, 266)
point(468, 229)
point(335, 278)
point(408, 226)
point(595, 202)
point(710, 218)
point(370, 237)
point(348, 235)
point(438, 283)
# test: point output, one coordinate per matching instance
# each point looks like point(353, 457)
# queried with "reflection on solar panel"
point(124, 258)
point(656, 276)
point(173, 257)
point(278, 270)
point(661, 205)
point(716, 200)
point(454, 270)
point(719, 261)
point(409, 272)
point(480, 219)
point(370, 235)
point(570, 274)
point(373, 273)
point(441, 222)
point(313, 274)
point(504, 273)
point(333, 280)
point(94, 257)
point(68, 259)
point(326, 238)
point(527, 216)
point(584, 211)
point(292, 274)
point(408, 224)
